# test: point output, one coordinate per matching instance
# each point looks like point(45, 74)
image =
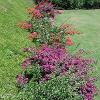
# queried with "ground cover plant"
point(50, 72)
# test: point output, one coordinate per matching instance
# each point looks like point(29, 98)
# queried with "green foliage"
point(12, 39)
point(73, 4)
point(43, 27)
point(46, 33)
point(58, 88)
point(41, 84)
point(33, 73)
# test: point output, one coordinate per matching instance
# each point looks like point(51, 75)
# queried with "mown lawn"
point(88, 23)
point(12, 39)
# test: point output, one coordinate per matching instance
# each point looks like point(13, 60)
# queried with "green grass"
point(12, 39)
point(88, 23)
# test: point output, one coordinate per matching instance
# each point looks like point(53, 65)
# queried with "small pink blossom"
point(25, 25)
point(21, 80)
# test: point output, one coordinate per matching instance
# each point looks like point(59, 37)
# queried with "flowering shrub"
point(56, 61)
point(36, 13)
point(51, 72)
point(41, 26)
point(58, 88)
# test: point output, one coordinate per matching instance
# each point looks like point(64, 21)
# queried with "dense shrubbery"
point(50, 72)
point(58, 88)
point(76, 4)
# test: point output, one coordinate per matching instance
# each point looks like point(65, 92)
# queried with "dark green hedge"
point(76, 4)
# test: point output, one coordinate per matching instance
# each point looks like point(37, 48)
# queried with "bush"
point(58, 88)
point(76, 4)
point(41, 25)
point(53, 73)
point(70, 4)
point(50, 72)
point(92, 4)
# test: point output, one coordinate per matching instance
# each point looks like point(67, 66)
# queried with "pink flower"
point(88, 96)
point(88, 90)
point(70, 32)
point(66, 26)
point(26, 63)
point(21, 80)
point(69, 41)
point(25, 25)
point(33, 35)
point(37, 14)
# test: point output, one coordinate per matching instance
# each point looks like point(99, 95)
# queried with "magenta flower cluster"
point(50, 59)
point(88, 91)
point(56, 59)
